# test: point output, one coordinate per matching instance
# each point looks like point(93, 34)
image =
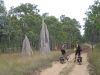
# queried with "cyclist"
point(63, 50)
point(78, 50)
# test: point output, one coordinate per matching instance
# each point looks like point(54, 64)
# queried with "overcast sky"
point(70, 8)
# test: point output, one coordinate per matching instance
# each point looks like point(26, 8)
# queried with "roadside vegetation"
point(94, 60)
point(15, 64)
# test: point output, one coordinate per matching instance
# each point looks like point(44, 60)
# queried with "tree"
point(2, 18)
point(92, 23)
point(24, 9)
point(26, 20)
point(71, 27)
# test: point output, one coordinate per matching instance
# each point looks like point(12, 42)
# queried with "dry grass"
point(14, 64)
point(94, 59)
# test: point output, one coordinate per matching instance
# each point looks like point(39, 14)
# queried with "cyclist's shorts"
point(63, 51)
point(77, 52)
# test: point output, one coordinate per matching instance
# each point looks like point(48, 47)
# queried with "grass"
point(15, 64)
point(94, 60)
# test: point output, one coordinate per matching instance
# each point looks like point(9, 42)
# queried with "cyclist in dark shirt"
point(78, 50)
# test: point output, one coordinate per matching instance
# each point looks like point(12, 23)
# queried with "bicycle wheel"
point(68, 58)
point(62, 60)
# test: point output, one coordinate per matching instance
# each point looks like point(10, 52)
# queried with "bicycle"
point(79, 60)
point(65, 57)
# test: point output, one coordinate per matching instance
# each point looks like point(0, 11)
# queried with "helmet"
point(65, 42)
point(77, 42)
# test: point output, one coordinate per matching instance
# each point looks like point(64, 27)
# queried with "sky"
point(70, 8)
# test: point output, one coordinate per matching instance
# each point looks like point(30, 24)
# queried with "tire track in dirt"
point(81, 69)
point(69, 68)
point(66, 70)
point(56, 68)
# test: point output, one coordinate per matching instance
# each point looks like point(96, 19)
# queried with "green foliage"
point(25, 20)
point(25, 9)
point(92, 21)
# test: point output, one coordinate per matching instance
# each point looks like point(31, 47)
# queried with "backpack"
point(79, 48)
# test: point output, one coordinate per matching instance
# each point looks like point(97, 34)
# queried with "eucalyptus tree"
point(92, 21)
point(3, 24)
point(29, 21)
point(24, 9)
point(71, 27)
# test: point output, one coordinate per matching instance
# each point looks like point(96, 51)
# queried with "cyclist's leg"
point(75, 56)
point(79, 57)
point(79, 53)
point(64, 55)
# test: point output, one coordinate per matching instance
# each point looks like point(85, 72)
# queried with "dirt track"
point(71, 67)
point(81, 69)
